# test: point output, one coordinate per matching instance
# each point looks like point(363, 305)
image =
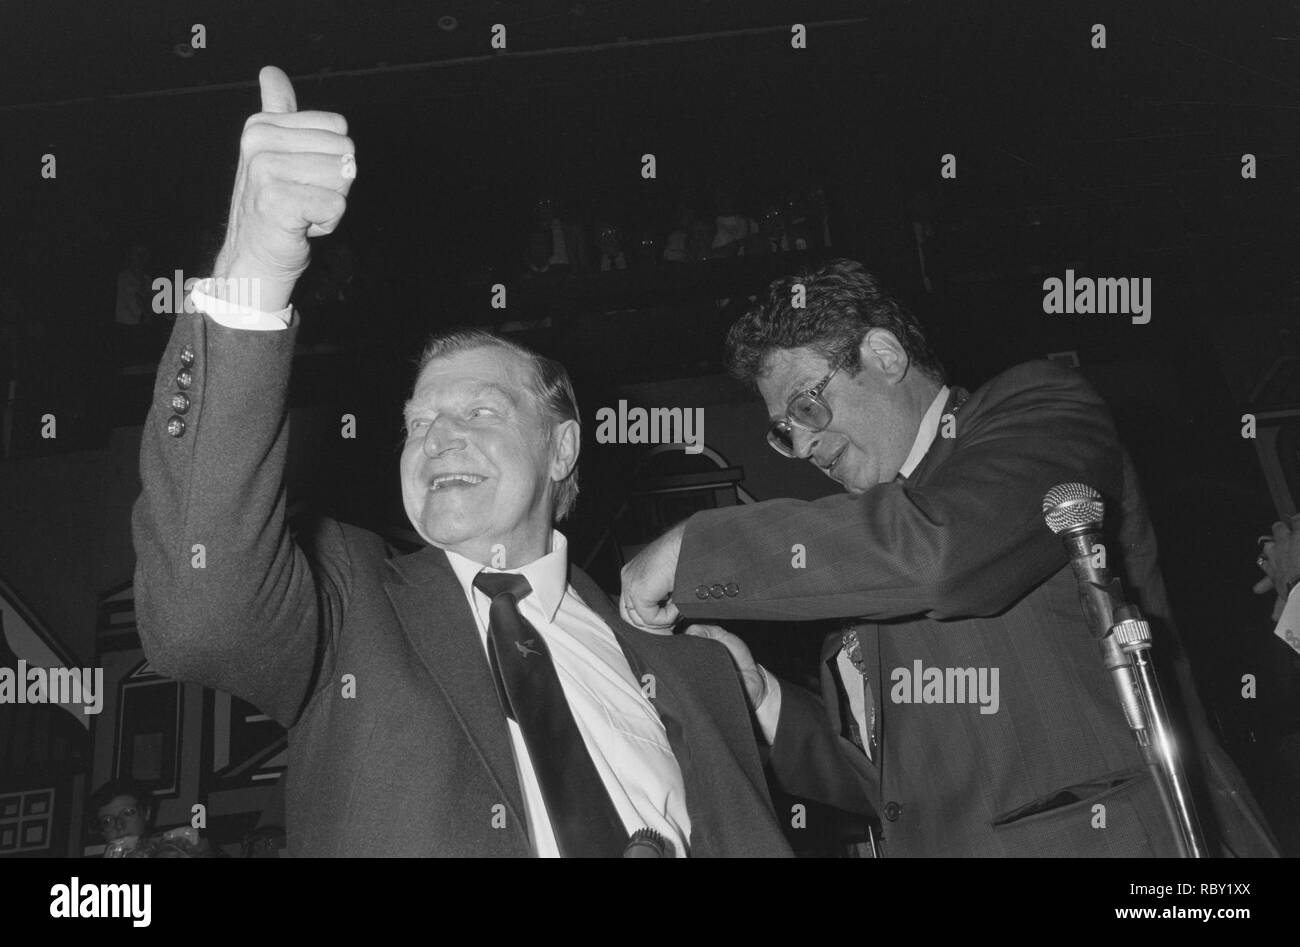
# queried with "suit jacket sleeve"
point(224, 596)
point(808, 760)
point(967, 540)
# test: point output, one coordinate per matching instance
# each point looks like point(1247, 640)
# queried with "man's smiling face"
point(873, 422)
point(477, 465)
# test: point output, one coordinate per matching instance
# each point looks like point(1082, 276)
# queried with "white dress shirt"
point(622, 731)
point(768, 713)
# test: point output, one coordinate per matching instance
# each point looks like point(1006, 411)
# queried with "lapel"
point(436, 618)
point(830, 677)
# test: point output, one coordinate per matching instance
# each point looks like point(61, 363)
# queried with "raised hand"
point(295, 171)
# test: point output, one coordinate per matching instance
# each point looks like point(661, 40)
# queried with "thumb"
point(277, 91)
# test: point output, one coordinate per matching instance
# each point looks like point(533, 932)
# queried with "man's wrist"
point(244, 283)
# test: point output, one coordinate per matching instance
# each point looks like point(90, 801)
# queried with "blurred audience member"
point(568, 248)
point(819, 221)
point(773, 235)
point(537, 252)
point(265, 841)
point(921, 209)
point(675, 244)
point(1279, 557)
point(123, 816)
point(645, 250)
point(609, 246)
point(699, 241)
point(134, 295)
point(731, 228)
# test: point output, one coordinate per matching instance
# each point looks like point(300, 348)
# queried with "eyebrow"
point(804, 383)
point(487, 386)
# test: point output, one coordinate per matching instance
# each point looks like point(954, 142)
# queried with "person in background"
point(537, 252)
point(773, 235)
point(645, 250)
point(123, 817)
point(1279, 557)
point(265, 841)
point(731, 228)
point(609, 244)
point(568, 247)
point(134, 298)
point(676, 243)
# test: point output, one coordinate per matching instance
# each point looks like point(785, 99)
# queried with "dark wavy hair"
point(123, 786)
point(550, 385)
point(842, 302)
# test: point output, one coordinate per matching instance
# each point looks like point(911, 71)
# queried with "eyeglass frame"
point(815, 393)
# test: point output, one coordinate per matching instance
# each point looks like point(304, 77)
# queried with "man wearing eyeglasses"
point(937, 554)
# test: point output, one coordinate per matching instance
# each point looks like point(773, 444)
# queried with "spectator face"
point(647, 249)
point(121, 817)
point(772, 223)
point(872, 426)
point(544, 210)
point(477, 466)
point(264, 843)
point(610, 242)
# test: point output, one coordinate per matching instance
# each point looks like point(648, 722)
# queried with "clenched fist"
point(295, 170)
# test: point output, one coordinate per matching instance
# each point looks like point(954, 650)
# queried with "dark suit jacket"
point(955, 568)
point(419, 762)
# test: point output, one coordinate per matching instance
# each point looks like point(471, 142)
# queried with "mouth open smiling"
point(454, 481)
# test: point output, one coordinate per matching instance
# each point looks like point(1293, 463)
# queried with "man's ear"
point(566, 442)
point(881, 350)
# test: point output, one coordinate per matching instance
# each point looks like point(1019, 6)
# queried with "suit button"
point(187, 357)
point(701, 591)
point(184, 378)
point(892, 811)
point(731, 589)
point(176, 427)
point(180, 402)
point(716, 591)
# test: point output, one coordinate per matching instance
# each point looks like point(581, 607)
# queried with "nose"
point(805, 442)
point(443, 435)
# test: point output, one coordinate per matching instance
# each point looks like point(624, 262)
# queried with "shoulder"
point(1040, 381)
point(325, 538)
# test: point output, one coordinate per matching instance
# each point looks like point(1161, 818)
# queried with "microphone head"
point(647, 843)
point(1071, 505)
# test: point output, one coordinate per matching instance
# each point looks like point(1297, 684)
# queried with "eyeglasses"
point(107, 823)
point(807, 410)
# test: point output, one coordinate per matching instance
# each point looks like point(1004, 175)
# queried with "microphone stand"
point(1127, 650)
point(1124, 639)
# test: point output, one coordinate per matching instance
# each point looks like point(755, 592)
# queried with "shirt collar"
point(549, 575)
point(926, 432)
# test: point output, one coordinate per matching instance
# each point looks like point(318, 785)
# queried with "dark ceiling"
point(1140, 142)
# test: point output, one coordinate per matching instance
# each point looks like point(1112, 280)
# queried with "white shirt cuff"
point(768, 713)
point(235, 316)
point(1288, 626)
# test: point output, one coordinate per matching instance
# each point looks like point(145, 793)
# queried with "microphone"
point(1074, 511)
point(647, 843)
